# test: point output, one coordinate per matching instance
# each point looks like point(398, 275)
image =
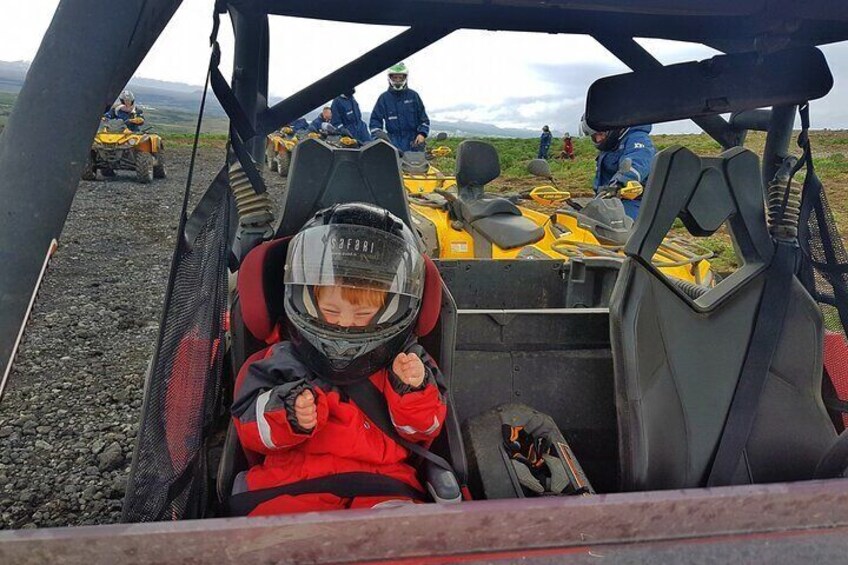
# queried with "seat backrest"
point(322, 175)
point(678, 360)
point(477, 164)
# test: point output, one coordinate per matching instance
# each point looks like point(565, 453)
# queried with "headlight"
point(132, 141)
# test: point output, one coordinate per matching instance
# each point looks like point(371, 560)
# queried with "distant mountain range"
point(173, 106)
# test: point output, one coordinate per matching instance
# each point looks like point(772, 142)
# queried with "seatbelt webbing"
point(343, 485)
point(371, 401)
point(771, 312)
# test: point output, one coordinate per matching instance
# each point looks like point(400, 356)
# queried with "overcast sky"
point(506, 79)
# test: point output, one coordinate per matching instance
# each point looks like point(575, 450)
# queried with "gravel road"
point(70, 413)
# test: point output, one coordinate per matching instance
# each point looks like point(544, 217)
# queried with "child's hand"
point(409, 369)
point(305, 410)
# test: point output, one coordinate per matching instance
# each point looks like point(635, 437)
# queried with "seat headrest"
point(477, 163)
point(260, 289)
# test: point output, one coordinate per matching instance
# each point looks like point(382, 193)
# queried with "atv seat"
point(678, 360)
point(322, 175)
point(490, 219)
point(508, 231)
point(414, 163)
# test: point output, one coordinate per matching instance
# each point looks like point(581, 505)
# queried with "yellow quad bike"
point(278, 149)
point(466, 222)
point(419, 176)
point(117, 147)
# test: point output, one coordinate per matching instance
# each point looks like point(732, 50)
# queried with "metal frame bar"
point(781, 122)
point(357, 71)
point(250, 70)
point(496, 529)
point(36, 193)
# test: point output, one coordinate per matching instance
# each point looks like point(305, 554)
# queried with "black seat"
point(678, 360)
point(320, 176)
point(490, 219)
point(508, 231)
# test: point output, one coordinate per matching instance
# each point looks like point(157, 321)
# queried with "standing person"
point(544, 143)
point(567, 148)
point(325, 117)
point(400, 112)
point(351, 319)
point(346, 114)
point(615, 146)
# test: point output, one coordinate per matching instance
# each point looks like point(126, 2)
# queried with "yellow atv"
point(118, 148)
point(465, 222)
point(278, 149)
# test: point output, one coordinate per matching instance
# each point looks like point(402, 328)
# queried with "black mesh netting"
point(168, 479)
point(824, 271)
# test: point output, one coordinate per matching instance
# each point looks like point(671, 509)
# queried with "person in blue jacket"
point(346, 115)
point(400, 112)
point(544, 143)
point(299, 124)
point(125, 110)
point(615, 146)
point(325, 117)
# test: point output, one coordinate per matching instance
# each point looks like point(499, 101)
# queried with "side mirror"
point(539, 168)
point(441, 136)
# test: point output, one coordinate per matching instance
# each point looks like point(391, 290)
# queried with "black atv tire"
point(144, 163)
point(270, 160)
point(89, 172)
point(108, 172)
point(283, 163)
point(159, 171)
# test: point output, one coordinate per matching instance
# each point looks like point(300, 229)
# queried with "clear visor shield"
point(397, 80)
point(356, 257)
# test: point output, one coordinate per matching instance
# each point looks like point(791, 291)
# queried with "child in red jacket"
point(353, 286)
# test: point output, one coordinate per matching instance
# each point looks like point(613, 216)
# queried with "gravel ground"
point(70, 413)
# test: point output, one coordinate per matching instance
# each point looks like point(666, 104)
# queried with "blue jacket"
point(636, 145)
point(346, 114)
point(401, 113)
point(545, 139)
point(299, 124)
point(316, 123)
point(119, 112)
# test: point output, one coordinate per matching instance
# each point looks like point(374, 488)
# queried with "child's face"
point(340, 312)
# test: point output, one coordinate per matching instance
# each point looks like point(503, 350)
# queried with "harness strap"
point(768, 325)
point(343, 485)
point(371, 401)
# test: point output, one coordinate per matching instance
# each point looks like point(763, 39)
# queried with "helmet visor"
point(355, 256)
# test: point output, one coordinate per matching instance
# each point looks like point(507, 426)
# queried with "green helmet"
point(399, 69)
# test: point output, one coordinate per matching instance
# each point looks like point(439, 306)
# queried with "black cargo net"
point(168, 480)
point(824, 272)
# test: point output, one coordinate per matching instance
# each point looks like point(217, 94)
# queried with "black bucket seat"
point(678, 360)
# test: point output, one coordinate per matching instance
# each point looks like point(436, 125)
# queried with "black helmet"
point(609, 143)
point(353, 246)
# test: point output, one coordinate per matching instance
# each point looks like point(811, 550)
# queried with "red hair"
point(357, 296)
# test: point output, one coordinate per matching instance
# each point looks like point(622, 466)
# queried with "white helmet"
point(399, 69)
point(127, 97)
